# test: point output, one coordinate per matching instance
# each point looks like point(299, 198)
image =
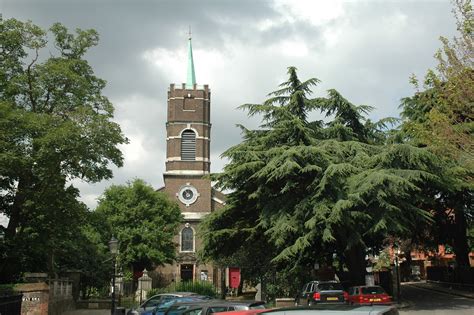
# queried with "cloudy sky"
point(364, 49)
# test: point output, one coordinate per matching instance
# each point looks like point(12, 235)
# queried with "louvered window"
point(187, 240)
point(188, 145)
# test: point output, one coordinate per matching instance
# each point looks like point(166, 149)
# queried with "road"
point(423, 301)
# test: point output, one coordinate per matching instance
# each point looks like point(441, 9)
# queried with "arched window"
point(188, 145)
point(187, 240)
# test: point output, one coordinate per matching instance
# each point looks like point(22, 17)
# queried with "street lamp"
point(113, 247)
point(396, 251)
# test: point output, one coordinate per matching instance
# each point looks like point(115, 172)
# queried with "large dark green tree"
point(145, 222)
point(314, 190)
point(55, 126)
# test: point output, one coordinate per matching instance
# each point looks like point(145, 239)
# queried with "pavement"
point(467, 292)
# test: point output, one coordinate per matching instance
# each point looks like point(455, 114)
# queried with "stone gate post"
point(144, 285)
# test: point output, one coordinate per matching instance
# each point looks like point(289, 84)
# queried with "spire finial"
point(189, 33)
point(191, 78)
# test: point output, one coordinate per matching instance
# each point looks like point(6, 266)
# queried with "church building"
point(188, 138)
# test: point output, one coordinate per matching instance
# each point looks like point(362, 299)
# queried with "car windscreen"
point(176, 310)
point(372, 290)
point(151, 303)
point(217, 309)
point(330, 286)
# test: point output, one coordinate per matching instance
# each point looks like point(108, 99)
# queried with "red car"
point(368, 295)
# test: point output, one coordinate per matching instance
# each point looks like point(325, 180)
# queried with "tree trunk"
point(355, 260)
point(407, 265)
point(461, 247)
point(9, 266)
point(222, 284)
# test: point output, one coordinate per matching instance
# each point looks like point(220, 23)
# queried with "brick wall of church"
point(203, 186)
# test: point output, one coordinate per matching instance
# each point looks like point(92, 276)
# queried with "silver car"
point(334, 309)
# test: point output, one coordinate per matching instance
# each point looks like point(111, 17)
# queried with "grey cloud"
point(369, 65)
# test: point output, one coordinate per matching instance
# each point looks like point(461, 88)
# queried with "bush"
point(154, 291)
point(198, 287)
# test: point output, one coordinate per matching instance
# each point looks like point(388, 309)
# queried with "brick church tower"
point(188, 132)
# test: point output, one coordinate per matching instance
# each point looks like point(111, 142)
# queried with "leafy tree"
point(55, 126)
point(308, 190)
point(440, 117)
point(143, 220)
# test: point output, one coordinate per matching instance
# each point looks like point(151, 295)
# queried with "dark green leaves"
point(313, 188)
point(144, 221)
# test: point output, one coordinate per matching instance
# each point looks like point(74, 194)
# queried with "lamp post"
point(396, 251)
point(113, 247)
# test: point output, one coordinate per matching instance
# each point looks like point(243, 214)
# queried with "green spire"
point(191, 79)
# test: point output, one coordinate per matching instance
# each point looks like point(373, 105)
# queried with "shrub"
point(198, 287)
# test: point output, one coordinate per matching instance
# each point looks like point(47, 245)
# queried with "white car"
point(335, 309)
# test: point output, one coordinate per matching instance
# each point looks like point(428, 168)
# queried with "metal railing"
point(10, 304)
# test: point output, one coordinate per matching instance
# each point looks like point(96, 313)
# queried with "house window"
point(187, 240)
point(188, 145)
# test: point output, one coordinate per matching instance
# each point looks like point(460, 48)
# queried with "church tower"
point(188, 130)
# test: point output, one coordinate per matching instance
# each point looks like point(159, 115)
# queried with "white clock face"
point(188, 194)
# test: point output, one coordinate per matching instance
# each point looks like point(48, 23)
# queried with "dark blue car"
point(157, 300)
point(163, 307)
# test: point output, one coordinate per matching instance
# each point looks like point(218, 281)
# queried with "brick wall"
point(35, 298)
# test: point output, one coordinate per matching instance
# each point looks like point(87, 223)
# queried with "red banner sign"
point(234, 277)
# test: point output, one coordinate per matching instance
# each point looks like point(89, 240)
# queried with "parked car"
point(182, 301)
point(364, 295)
point(255, 311)
point(335, 309)
point(156, 300)
point(317, 292)
point(213, 306)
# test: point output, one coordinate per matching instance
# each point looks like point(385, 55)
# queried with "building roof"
point(191, 77)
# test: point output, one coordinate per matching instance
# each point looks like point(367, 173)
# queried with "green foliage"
point(303, 189)
point(440, 117)
point(383, 261)
point(143, 220)
point(55, 126)
point(155, 291)
point(198, 287)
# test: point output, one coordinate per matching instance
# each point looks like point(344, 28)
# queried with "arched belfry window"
point(187, 239)
point(188, 145)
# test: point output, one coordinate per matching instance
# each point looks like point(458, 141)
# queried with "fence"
point(10, 304)
point(60, 296)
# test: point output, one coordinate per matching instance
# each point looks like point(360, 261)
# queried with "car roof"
point(178, 294)
point(320, 282)
point(244, 312)
point(332, 309)
point(222, 302)
point(184, 300)
point(173, 294)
